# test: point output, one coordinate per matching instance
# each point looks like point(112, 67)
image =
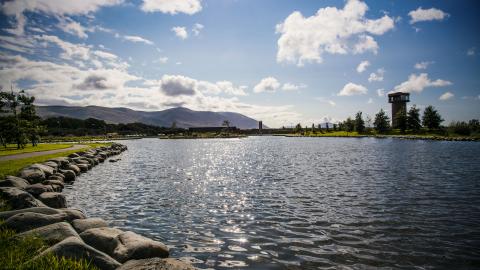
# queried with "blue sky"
point(282, 62)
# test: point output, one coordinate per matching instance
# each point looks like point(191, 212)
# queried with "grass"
point(20, 253)
point(328, 134)
point(12, 167)
point(12, 149)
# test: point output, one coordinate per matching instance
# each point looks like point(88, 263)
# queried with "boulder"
point(41, 210)
point(156, 264)
point(52, 233)
point(69, 175)
point(57, 174)
point(13, 181)
point(38, 188)
point(51, 164)
point(19, 199)
point(27, 221)
point(80, 160)
point(73, 214)
point(124, 246)
point(82, 225)
point(55, 177)
point(52, 182)
point(73, 155)
point(83, 167)
point(74, 248)
point(32, 175)
point(74, 168)
point(47, 170)
point(61, 161)
point(53, 199)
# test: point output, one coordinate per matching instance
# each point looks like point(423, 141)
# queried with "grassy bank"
point(11, 149)
point(12, 167)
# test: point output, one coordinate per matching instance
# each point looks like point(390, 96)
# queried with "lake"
point(295, 203)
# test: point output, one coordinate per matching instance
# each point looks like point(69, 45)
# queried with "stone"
point(27, 221)
point(32, 175)
point(74, 168)
point(69, 175)
point(19, 199)
point(51, 164)
point(73, 155)
point(57, 174)
point(124, 246)
point(47, 170)
point(41, 210)
point(13, 181)
point(52, 182)
point(53, 199)
point(81, 225)
point(156, 264)
point(74, 248)
point(52, 233)
point(38, 188)
point(73, 214)
point(61, 161)
point(83, 167)
point(55, 177)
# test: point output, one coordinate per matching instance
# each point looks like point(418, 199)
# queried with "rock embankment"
point(40, 209)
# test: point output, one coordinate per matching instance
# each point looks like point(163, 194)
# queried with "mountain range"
point(183, 117)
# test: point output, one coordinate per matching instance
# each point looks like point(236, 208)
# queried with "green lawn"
point(12, 149)
point(11, 167)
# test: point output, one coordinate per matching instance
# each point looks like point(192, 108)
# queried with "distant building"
point(260, 126)
point(399, 103)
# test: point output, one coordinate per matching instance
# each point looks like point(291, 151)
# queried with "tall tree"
point(413, 119)
point(431, 118)
point(349, 124)
point(381, 122)
point(359, 123)
point(401, 118)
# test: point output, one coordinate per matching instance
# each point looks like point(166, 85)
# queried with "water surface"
point(295, 203)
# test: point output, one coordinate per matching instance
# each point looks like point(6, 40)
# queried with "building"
point(399, 103)
point(260, 126)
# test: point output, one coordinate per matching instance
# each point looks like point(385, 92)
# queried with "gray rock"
point(27, 221)
point(53, 199)
point(13, 181)
point(57, 174)
point(55, 177)
point(82, 225)
point(51, 164)
point(19, 199)
point(73, 214)
point(52, 233)
point(124, 246)
point(74, 248)
point(156, 264)
point(74, 168)
point(83, 167)
point(32, 175)
point(73, 155)
point(69, 175)
point(47, 170)
point(52, 182)
point(41, 210)
point(61, 161)
point(38, 188)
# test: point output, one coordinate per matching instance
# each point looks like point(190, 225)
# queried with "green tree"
point(334, 127)
point(401, 118)
point(381, 122)
point(413, 119)
point(359, 123)
point(431, 118)
point(298, 128)
point(349, 124)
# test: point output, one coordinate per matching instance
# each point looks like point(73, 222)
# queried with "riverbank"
point(37, 208)
point(343, 134)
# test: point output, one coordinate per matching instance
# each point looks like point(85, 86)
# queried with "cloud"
point(70, 50)
point(378, 76)
point(197, 28)
point(105, 55)
point(180, 32)
point(446, 96)
point(268, 84)
point(471, 51)
point(162, 60)
point(330, 30)
point(94, 82)
point(423, 64)
point(370, 101)
point(172, 6)
point(293, 87)
point(138, 39)
point(176, 85)
point(417, 83)
point(72, 27)
point(420, 15)
point(362, 66)
point(327, 101)
point(381, 92)
point(351, 89)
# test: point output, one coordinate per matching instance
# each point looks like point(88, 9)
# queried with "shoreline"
point(38, 208)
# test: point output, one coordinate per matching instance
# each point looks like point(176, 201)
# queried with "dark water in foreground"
point(296, 203)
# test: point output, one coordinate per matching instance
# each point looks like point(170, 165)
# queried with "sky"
point(282, 62)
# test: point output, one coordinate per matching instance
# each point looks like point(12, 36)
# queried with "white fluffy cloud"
point(381, 92)
point(417, 83)
point(180, 32)
point(293, 87)
point(351, 89)
point(377, 76)
point(446, 96)
point(172, 6)
point(423, 64)
point(197, 28)
point(330, 30)
point(138, 39)
point(72, 27)
point(327, 101)
point(431, 14)
point(363, 66)
point(268, 84)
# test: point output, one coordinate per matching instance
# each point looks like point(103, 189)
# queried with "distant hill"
point(182, 116)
